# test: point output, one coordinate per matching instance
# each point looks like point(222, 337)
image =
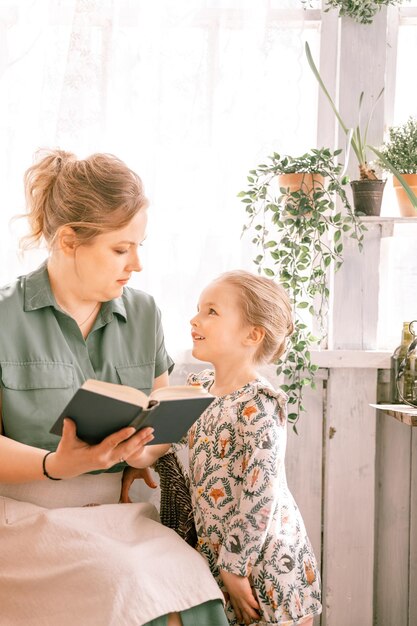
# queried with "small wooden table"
point(401, 412)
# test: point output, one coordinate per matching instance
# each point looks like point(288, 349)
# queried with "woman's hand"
point(74, 457)
point(244, 603)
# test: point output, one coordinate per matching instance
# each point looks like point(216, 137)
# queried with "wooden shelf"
point(400, 412)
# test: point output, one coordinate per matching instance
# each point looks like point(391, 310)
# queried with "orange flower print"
point(250, 410)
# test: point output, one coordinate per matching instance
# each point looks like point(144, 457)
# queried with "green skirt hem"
point(207, 614)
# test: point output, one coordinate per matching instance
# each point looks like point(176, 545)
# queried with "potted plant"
point(362, 11)
point(299, 234)
point(401, 152)
point(368, 190)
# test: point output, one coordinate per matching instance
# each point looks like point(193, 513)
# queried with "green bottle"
point(403, 368)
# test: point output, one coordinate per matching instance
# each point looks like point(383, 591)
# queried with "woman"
point(71, 319)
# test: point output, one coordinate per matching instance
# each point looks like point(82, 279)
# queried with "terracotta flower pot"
point(308, 183)
point(404, 202)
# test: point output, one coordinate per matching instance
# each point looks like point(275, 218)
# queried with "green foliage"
point(299, 236)
point(356, 137)
point(401, 147)
point(362, 11)
point(389, 167)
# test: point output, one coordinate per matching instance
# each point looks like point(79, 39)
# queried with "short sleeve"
point(163, 361)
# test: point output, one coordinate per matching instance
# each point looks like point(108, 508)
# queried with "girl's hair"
point(266, 304)
point(93, 195)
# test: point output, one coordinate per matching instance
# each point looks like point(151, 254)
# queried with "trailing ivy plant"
point(362, 11)
point(299, 236)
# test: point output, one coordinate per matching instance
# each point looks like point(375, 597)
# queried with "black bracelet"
point(45, 473)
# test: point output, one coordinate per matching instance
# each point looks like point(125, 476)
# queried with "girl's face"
point(106, 264)
point(219, 330)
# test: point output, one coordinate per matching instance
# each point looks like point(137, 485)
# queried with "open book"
point(99, 409)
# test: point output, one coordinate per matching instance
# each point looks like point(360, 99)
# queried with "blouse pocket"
point(37, 375)
point(137, 376)
point(34, 394)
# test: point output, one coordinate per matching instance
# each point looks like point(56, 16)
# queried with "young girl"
point(249, 527)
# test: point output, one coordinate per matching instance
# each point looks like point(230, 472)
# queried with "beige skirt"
point(62, 562)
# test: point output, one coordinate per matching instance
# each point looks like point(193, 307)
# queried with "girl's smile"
point(218, 331)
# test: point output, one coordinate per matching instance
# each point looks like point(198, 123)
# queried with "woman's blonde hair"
point(93, 195)
point(265, 304)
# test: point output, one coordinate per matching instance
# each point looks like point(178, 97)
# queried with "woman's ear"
point(255, 336)
point(66, 240)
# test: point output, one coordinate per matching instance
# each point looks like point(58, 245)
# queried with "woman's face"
point(106, 264)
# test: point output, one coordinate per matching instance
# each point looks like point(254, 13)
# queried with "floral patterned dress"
point(246, 518)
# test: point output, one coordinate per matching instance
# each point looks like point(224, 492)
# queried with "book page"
point(179, 392)
point(119, 392)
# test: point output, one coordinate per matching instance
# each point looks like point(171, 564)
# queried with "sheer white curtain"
point(398, 270)
point(190, 94)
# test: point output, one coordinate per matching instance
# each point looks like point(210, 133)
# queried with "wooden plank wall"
point(348, 522)
point(392, 522)
point(412, 586)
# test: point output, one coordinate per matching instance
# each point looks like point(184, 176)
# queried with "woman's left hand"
point(244, 603)
point(74, 457)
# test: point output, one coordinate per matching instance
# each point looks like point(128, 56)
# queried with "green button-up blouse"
point(44, 357)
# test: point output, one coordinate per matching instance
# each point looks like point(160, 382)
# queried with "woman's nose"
point(135, 264)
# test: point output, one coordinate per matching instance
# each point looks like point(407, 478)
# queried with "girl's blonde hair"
point(93, 195)
point(266, 304)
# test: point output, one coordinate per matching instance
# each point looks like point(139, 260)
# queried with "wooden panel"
point(413, 532)
point(354, 327)
point(392, 522)
point(304, 464)
point(348, 548)
point(379, 359)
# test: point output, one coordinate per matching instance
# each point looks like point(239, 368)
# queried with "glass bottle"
point(403, 382)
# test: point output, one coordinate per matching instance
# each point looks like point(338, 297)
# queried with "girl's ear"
point(255, 336)
point(66, 240)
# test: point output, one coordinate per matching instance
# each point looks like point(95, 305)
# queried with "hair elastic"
point(45, 473)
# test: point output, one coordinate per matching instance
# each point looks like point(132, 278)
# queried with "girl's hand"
point(74, 457)
point(129, 475)
point(244, 603)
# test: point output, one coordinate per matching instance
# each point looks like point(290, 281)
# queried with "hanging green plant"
point(298, 231)
point(362, 11)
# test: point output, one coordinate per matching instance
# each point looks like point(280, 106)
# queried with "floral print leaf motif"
point(270, 590)
point(260, 514)
point(224, 443)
